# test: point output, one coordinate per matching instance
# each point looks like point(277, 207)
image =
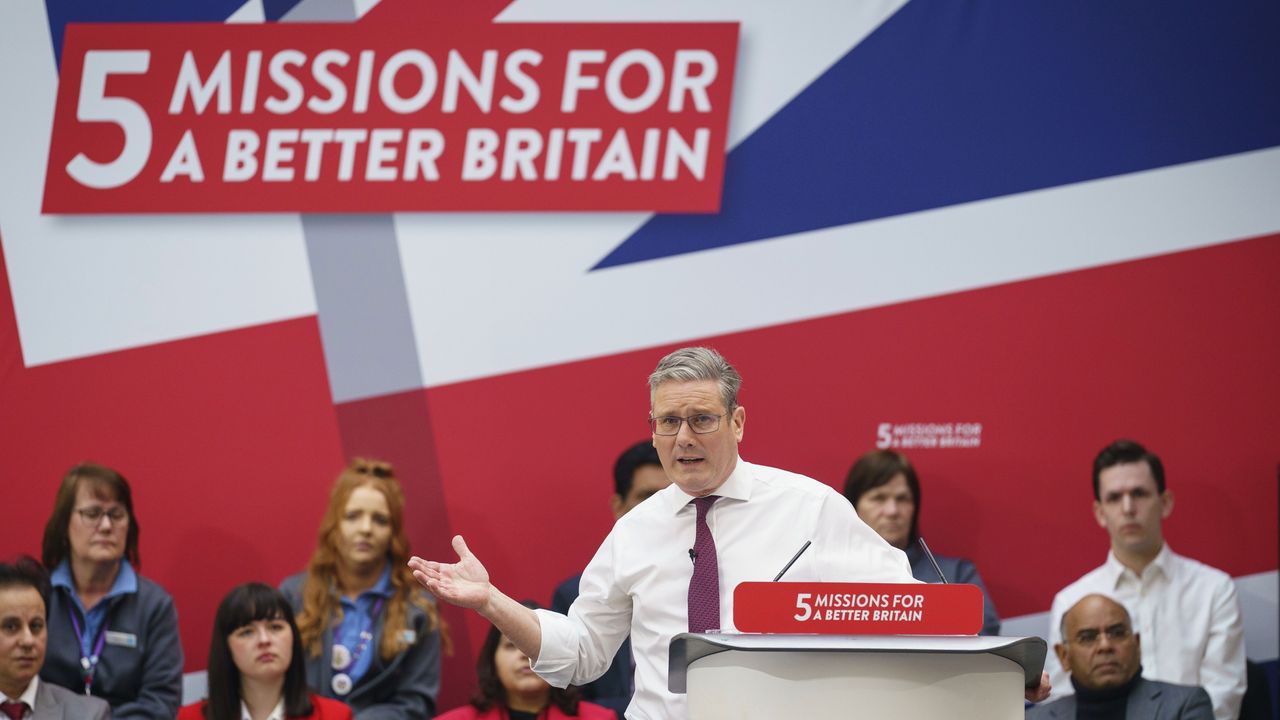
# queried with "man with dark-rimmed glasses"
point(670, 565)
point(1102, 654)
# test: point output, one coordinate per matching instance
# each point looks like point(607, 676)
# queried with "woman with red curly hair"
point(372, 637)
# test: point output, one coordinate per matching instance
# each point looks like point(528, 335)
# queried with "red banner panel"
point(857, 608)
point(381, 117)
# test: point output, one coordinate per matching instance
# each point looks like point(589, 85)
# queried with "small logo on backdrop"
point(929, 435)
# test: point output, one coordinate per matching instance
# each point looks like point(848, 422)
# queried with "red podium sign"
point(857, 608)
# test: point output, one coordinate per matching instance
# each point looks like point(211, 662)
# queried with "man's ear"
point(1166, 497)
point(739, 422)
point(1060, 649)
point(1097, 515)
point(615, 504)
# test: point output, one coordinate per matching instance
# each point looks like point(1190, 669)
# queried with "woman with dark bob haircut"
point(256, 666)
point(509, 690)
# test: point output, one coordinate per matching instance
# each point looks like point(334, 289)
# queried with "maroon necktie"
point(13, 709)
point(704, 586)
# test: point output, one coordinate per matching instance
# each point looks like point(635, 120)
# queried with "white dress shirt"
point(1188, 619)
point(28, 696)
point(638, 581)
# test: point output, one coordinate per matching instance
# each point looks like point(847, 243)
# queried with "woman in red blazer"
point(509, 690)
point(256, 666)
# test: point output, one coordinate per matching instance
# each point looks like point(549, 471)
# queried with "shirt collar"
point(1163, 562)
point(382, 588)
point(126, 580)
point(28, 696)
point(277, 712)
point(737, 487)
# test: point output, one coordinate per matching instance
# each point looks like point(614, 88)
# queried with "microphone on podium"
point(925, 547)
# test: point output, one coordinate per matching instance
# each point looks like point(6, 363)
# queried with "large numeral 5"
point(95, 106)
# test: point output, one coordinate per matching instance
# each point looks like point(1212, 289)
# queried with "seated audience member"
point(1101, 653)
point(884, 489)
point(256, 670)
point(372, 636)
point(24, 612)
point(112, 632)
point(1186, 611)
point(637, 474)
point(509, 689)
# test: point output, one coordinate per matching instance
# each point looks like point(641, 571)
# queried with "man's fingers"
point(460, 547)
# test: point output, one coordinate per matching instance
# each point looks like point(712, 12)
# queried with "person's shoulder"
point(1173, 693)
point(1081, 586)
point(74, 704)
point(326, 708)
point(788, 481)
point(956, 567)
point(1200, 571)
point(150, 591)
point(293, 582)
point(1051, 709)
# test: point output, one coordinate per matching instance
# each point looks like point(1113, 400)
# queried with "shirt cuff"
point(558, 657)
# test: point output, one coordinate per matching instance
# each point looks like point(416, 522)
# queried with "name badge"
point(410, 636)
point(122, 639)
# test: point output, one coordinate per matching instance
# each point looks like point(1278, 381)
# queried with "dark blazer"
point(406, 687)
point(1150, 700)
point(58, 703)
point(143, 681)
point(613, 688)
point(957, 570)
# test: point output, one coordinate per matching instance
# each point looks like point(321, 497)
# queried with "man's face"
point(697, 463)
point(22, 637)
point(889, 509)
point(1099, 647)
point(1131, 508)
point(645, 481)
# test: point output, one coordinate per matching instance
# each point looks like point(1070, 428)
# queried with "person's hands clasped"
point(464, 583)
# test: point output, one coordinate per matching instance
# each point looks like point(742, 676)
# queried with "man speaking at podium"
point(671, 564)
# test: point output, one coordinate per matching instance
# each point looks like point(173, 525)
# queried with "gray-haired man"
point(670, 565)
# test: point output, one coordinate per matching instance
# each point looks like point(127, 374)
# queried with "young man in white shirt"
point(1185, 611)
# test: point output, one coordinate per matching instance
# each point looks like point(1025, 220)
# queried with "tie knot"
point(704, 503)
point(13, 709)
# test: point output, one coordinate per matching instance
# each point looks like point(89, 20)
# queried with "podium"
point(854, 676)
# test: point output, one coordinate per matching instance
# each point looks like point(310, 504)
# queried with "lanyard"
point(344, 660)
point(88, 663)
point(366, 634)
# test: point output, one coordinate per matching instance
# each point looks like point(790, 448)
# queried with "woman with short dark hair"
point(256, 666)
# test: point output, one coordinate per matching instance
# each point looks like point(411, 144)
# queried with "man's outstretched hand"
point(464, 583)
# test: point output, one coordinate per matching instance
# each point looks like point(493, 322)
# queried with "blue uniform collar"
point(382, 588)
point(126, 581)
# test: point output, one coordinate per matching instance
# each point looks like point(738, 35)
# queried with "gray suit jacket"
point(1150, 700)
point(54, 702)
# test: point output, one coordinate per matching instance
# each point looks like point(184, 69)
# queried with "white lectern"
point(901, 677)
